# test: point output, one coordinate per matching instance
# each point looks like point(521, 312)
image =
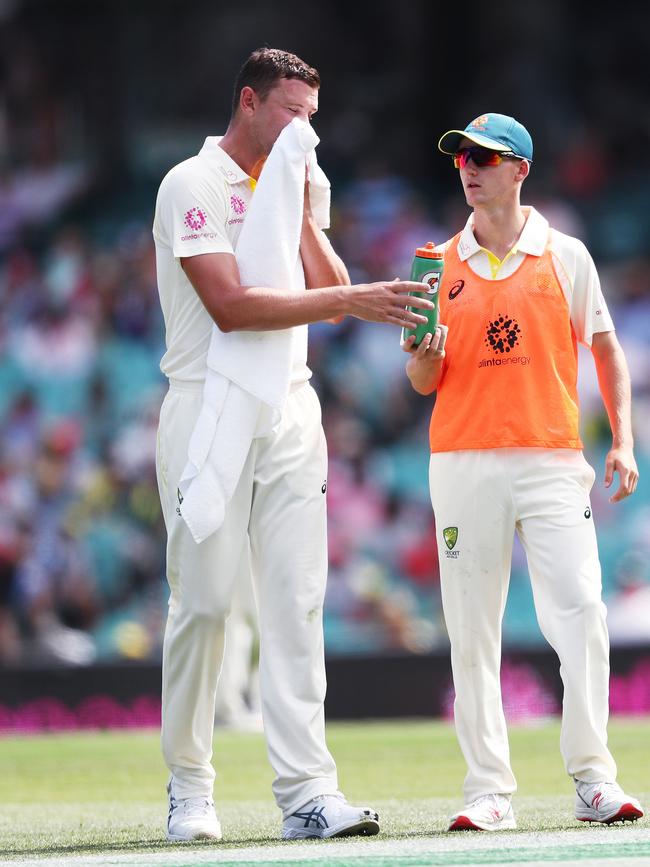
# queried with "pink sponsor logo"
point(238, 205)
point(195, 219)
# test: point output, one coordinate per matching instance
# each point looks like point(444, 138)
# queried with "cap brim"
point(450, 141)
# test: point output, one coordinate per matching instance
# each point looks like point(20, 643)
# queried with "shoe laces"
point(491, 805)
point(611, 788)
point(482, 799)
point(333, 802)
point(196, 806)
point(337, 795)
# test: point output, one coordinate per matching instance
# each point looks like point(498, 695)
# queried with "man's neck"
point(242, 151)
point(498, 229)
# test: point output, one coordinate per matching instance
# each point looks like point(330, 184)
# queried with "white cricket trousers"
point(280, 503)
point(481, 497)
point(238, 678)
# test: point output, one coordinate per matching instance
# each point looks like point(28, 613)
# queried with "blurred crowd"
point(82, 540)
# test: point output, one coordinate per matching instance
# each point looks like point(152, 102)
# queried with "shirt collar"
point(218, 158)
point(531, 241)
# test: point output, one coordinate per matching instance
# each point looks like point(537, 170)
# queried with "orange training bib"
point(510, 373)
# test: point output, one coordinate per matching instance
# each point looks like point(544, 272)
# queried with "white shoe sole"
point(627, 812)
point(200, 835)
point(464, 823)
point(366, 827)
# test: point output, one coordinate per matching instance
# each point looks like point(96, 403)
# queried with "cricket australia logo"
point(502, 334)
point(481, 122)
point(450, 535)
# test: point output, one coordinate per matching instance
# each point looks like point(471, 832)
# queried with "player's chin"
point(473, 196)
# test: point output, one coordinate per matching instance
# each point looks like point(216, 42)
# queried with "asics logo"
point(313, 816)
point(597, 798)
point(456, 289)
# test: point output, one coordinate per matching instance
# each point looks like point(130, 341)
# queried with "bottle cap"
point(429, 251)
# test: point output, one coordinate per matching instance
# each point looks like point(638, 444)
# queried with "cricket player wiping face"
point(268, 116)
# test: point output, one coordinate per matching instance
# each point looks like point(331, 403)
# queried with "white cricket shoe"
point(191, 819)
point(330, 816)
point(605, 802)
point(487, 813)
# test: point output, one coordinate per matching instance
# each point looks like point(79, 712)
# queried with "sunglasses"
point(481, 157)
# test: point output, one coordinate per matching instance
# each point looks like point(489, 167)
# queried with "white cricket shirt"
point(200, 208)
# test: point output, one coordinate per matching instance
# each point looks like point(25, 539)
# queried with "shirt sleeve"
point(579, 279)
point(191, 214)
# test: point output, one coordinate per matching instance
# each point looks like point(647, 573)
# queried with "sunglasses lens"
point(487, 158)
point(480, 157)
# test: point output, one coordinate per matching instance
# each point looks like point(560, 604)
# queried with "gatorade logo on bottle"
point(432, 279)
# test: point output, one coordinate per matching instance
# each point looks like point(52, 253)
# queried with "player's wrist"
point(339, 301)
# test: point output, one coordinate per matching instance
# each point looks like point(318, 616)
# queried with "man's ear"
point(247, 100)
point(523, 170)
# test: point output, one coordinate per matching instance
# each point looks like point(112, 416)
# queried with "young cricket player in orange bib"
point(516, 298)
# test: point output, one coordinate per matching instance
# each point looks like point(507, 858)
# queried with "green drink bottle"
point(427, 268)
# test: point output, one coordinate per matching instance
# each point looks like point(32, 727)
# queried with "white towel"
point(248, 375)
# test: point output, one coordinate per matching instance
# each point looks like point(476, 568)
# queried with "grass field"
point(99, 799)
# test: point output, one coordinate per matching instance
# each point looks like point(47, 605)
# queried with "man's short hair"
point(265, 67)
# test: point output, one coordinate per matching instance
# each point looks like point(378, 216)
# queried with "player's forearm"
point(615, 389)
point(234, 307)
point(425, 377)
point(321, 264)
point(258, 308)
